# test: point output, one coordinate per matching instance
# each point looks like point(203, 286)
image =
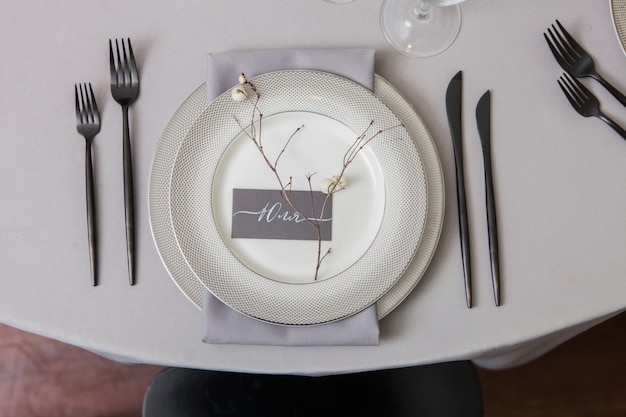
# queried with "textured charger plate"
point(618, 11)
point(315, 302)
point(177, 130)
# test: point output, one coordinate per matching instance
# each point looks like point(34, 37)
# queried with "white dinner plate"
point(178, 129)
point(618, 12)
point(250, 286)
point(318, 147)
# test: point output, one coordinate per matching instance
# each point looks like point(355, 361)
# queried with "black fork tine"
point(79, 116)
point(86, 106)
point(93, 106)
point(82, 105)
point(118, 71)
point(552, 44)
point(576, 89)
point(574, 46)
point(566, 52)
point(86, 102)
point(122, 64)
point(133, 64)
point(570, 94)
point(112, 63)
point(576, 85)
point(121, 71)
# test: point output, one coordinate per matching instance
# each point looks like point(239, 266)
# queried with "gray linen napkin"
point(223, 325)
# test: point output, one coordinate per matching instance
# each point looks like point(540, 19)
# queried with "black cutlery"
point(88, 125)
point(453, 107)
point(483, 120)
point(125, 90)
point(574, 59)
point(584, 102)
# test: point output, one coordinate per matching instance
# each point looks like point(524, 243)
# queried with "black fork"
point(125, 89)
point(574, 59)
point(584, 102)
point(88, 125)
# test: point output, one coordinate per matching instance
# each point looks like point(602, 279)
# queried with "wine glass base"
point(411, 35)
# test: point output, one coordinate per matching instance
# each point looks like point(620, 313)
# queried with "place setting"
point(210, 184)
point(314, 188)
point(296, 197)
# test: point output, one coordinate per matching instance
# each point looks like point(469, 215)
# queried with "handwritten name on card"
point(265, 214)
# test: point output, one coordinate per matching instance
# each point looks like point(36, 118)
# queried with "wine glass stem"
point(422, 11)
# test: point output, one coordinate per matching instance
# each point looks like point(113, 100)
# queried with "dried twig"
point(242, 92)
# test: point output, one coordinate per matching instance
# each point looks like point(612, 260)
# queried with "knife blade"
point(483, 120)
point(453, 108)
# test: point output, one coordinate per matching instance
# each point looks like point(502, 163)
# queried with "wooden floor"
point(39, 377)
point(585, 377)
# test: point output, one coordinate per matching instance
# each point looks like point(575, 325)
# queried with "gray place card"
point(265, 214)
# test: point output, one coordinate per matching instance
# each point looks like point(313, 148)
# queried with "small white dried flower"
point(325, 185)
point(239, 93)
point(334, 184)
point(341, 182)
point(242, 78)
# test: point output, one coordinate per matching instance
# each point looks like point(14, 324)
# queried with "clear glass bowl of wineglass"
point(420, 28)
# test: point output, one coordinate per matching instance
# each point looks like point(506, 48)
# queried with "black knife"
point(453, 107)
point(483, 119)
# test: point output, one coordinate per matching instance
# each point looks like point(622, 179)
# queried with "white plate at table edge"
point(176, 131)
point(619, 20)
point(378, 265)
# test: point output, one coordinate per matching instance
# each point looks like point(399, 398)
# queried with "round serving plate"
point(353, 216)
point(618, 13)
point(190, 112)
point(316, 301)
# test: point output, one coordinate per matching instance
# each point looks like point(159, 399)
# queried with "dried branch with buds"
point(247, 91)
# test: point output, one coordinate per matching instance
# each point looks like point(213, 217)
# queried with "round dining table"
point(558, 179)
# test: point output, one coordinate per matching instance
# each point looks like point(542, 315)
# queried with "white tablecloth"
point(559, 179)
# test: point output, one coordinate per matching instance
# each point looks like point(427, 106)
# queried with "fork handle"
point(91, 213)
point(614, 91)
point(614, 125)
point(129, 198)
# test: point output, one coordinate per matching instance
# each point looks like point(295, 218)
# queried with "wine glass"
point(420, 28)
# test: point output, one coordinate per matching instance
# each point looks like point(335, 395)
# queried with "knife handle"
point(463, 225)
point(492, 226)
